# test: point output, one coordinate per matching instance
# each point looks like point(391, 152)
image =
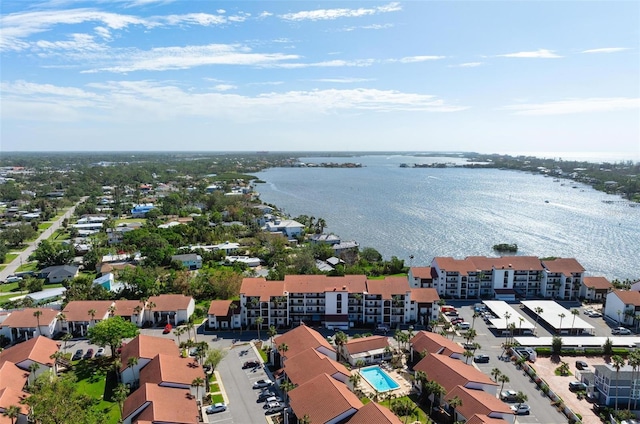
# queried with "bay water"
point(427, 212)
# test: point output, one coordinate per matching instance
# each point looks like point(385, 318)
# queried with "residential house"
point(330, 239)
point(450, 372)
point(29, 323)
point(129, 310)
point(152, 403)
point(79, 315)
point(308, 364)
point(297, 341)
point(174, 371)
point(476, 401)
point(371, 350)
point(224, 314)
point(372, 412)
point(622, 306)
point(595, 288)
point(191, 261)
point(144, 348)
point(288, 227)
point(59, 273)
point(610, 384)
point(116, 235)
point(344, 247)
point(169, 308)
point(337, 402)
point(426, 342)
point(37, 350)
point(140, 211)
point(484, 419)
point(12, 382)
point(108, 281)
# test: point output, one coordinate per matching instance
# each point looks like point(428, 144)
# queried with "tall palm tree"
point(120, 394)
point(282, 348)
point(178, 331)
point(197, 383)
point(259, 322)
point(575, 312)
point(634, 361)
point(33, 368)
point(467, 355)
point(618, 362)
point(117, 365)
point(355, 379)
point(454, 402)
point(502, 378)
point(495, 373)
point(340, 340)
point(562, 315)
point(286, 386)
point(150, 306)
point(192, 327)
point(12, 412)
point(538, 310)
point(131, 363)
point(272, 332)
point(37, 314)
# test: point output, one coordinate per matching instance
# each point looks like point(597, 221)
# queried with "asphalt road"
point(23, 257)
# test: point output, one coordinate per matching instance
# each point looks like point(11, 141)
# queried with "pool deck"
point(369, 390)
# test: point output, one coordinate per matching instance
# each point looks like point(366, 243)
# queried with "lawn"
point(2, 267)
point(29, 266)
point(130, 220)
point(9, 257)
point(96, 380)
point(59, 235)
point(217, 398)
point(214, 388)
point(44, 226)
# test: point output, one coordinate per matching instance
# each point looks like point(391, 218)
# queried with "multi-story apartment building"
point(336, 302)
point(480, 277)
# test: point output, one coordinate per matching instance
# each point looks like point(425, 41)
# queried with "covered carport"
point(560, 319)
point(507, 315)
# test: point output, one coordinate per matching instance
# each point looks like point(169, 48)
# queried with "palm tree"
point(521, 397)
point(355, 379)
point(495, 373)
point(131, 363)
point(467, 355)
point(562, 315)
point(286, 386)
point(117, 365)
point(305, 419)
point(453, 404)
point(618, 362)
point(272, 332)
point(259, 322)
point(56, 356)
point(37, 314)
point(634, 361)
point(538, 310)
point(112, 310)
point(150, 306)
point(340, 340)
point(33, 368)
point(434, 388)
point(65, 339)
point(575, 312)
point(13, 412)
point(178, 331)
point(282, 348)
point(503, 379)
point(197, 383)
point(191, 327)
point(120, 394)
point(473, 319)
point(422, 379)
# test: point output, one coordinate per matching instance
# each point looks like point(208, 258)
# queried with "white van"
point(464, 325)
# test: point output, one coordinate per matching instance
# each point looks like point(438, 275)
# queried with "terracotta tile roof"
point(424, 295)
point(628, 297)
point(308, 364)
point(12, 376)
point(323, 283)
point(171, 369)
point(461, 266)
point(518, 263)
point(220, 308)
point(10, 396)
point(598, 283)
point(484, 419)
point(300, 339)
point(262, 288)
point(365, 344)
point(78, 310)
point(565, 266)
point(107, 268)
point(167, 405)
point(388, 287)
point(38, 349)
point(323, 399)
point(435, 343)
point(374, 413)
point(478, 402)
point(143, 346)
point(450, 372)
point(170, 302)
point(421, 272)
point(26, 319)
point(125, 308)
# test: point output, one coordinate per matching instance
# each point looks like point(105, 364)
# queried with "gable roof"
point(461, 266)
point(56, 270)
point(125, 308)
point(484, 419)
point(450, 372)
point(366, 344)
point(220, 308)
point(565, 266)
point(424, 295)
point(262, 288)
point(165, 368)
point(300, 339)
point(12, 376)
point(388, 287)
point(477, 402)
point(324, 283)
point(336, 399)
point(170, 302)
point(435, 343)
point(165, 404)
point(38, 349)
point(308, 364)
point(421, 272)
point(374, 413)
point(26, 319)
point(628, 297)
point(598, 283)
point(10, 396)
point(143, 346)
point(78, 310)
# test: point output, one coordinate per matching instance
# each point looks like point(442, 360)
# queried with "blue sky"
point(486, 76)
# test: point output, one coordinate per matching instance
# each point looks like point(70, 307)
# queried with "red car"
point(167, 329)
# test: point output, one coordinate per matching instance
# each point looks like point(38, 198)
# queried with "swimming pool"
point(380, 380)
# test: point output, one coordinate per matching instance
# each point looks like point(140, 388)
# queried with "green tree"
point(340, 340)
point(12, 412)
point(556, 345)
point(214, 357)
point(617, 362)
point(454, 403)
point(16, 235)
point(502, 378)
point(120, 394)
point(521, 397)
point(259, 322)
point(111, 331)
point(370, 255)
point(50, 254)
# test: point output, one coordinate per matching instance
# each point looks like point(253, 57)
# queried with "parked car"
point(595, 315)
point(77, 355)
point(509, 396)
point(13, 279)
point(581, 365)
point(167, 329)
point(622, 331)
point(275, 409)
point(464, 325)
point(262, 383)
point(262, 397)
point(481, 359)
point(99, 352)
point(521, 409)
point(272, 399)
point(470, 346)
point(215, 408)
point(457, 321)
point(269, 405)
point(576, 386)
point(250, 364)
point(89, 354)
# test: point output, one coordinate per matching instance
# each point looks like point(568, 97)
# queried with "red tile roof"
point(366, 344)
point(125, 308)
point(372, 413)
point(484, 419)
point(262, 288)
point(435, 343)
point(38, 349)
point(78, 310)
point(308, 364)
point(220, 308)
point(628, 297)
point(424, 295)
point(166, 405)
point(450, 372)
point(565, 266)
point(598, 283)
point(10, 396)
point(478, 402)
point(12, 376)
point(26, 319)
point(170, 302)
point(388, 287)
point(461, 266)
point(323, 399)
point(323, 283)
point(143, 346)
point(300, 339)
point(171, 369)
point(423, 272)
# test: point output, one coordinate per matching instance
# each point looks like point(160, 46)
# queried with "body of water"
point(459, 212)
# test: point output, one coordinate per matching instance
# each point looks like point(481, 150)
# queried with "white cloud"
point(538, 54)
point(224, 87)
point(325, 64)
point(203, 19)
point(564, 107)
point(78, 42)
point(414, 59)
point(103, 32)
point(466, 65)
point(373, 27)
point(344, 80)
point(330, 14)
point(606, 50)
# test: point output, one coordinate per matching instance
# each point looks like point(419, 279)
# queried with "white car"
point(464, 325)
point(99, 352)
point(215, 408)
point(521, 409)
point(270, 405)
point(262, 383)
point(622, 331)
point(14, 279)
